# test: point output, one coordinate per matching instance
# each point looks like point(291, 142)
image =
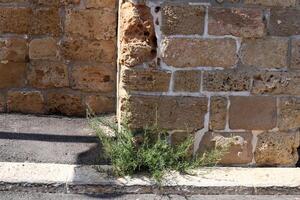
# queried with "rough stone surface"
point(146, 80)
point(2, 103)
point(177, 113)
point(276, 83)
point(284, 22)
point(20, 23)
point(100, 3)
point(13, 50)
point(182, 19)
point(237, 144)
point(218, 113)
point(137, 36)
point(48, 74)
point(239, 22)
point(228, 80)
point(85, 50)
point(188, 52)
point(99, 104)
point(295, 60)
point(279, 3)
point(65, 104)
point(92, 24)
point(93, 78)
point(44, 48)
point(187, 81)
point(289, 113)
point(277, 149)
point(25, 102)
point(270, 52)
point(252, 113)
point(12, 75)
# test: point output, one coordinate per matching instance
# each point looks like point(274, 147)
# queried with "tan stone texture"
point(93, 78)
point(295, 57)
point(137, 36)
point(65, 104)
point(100, 3)
point(46, 21)
point(97, 24)
point(252, 112)
point(188, 52)
point(289, 113)
point(13, 50)
point(279, 3)
point(14, 1)
point(25, 102)
point(270, 52)
point(240, 22)
point(277, 149)
point(284, 22)
point(174, 113)
point(187, 81)
point(85, 50)
point(226, 80)
point(182, 19)
point(99, 104)
point(237, 146)
point(276, 83)
point(12, 75)
point(15, 20)
point(44, 48)
point(149, 80)
point(48, 74)
point(218, 113)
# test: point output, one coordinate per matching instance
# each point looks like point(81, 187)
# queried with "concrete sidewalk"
point(74, 179)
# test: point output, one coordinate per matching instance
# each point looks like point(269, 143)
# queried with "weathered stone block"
point(145, 80)
point(237, 146)
point(12, 75)
point(279, 3)
point(269, 52)
point(284, 22)
point(277, 149)
point(2, 103)
point(100, 104)
point(252, 113)
point(218, 113)
point(97, 24)
point(25, 102)
point(85, 50)
point(93, 78)
point(65, 104)
point(188, 52)
point(13, 50)
point(48, 74)
point(14, 1)
point(276, 83)
point(295, 57)
point(137, 36)
point(44, 48)
point(182, 19)
point(177, 113)
point(100, 3)
point(15, 20)
point(187, 81)
point(240, 22)
point(227, 80)
point(289, 113)
point(46, 21)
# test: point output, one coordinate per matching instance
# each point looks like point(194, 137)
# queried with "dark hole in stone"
point(298, 163)
point(157, 9)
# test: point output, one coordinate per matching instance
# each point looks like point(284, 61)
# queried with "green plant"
point(148, 150)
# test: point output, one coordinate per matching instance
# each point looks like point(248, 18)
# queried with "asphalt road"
point(40, 196)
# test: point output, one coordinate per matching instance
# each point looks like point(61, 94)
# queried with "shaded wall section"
point(217, 70)
point(57, 56)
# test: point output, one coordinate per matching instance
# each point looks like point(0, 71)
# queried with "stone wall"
point(219, 70)
point(57, 56)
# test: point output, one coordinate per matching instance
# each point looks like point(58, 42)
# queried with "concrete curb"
point(60, 178)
